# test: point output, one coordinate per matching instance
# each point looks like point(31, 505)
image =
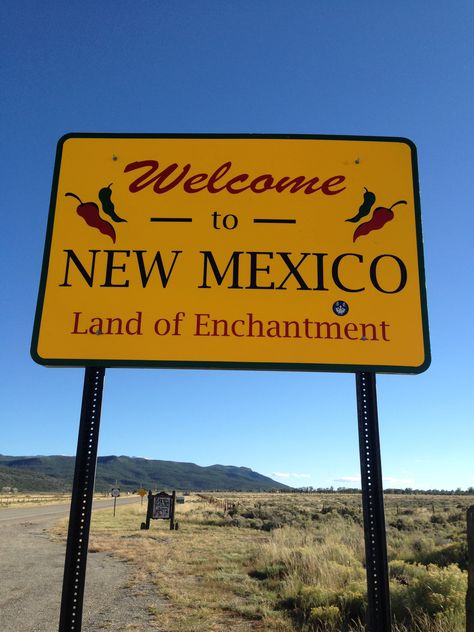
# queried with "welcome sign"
point(259, 252)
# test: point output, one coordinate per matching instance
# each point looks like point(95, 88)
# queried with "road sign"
point(115, 492)
point(141, 492)
point(261, 252)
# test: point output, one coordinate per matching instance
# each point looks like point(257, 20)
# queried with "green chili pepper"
point(105, 197)
point(369, 199)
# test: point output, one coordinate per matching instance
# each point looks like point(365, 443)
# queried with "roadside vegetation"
point(29, 500)
point(20, 499)
point(292, 562)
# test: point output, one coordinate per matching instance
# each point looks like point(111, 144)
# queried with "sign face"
point(141, 492)
point(115, 492)
point(256, 252)
point(161, 507)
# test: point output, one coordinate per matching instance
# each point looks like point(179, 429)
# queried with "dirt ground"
point(31, 571)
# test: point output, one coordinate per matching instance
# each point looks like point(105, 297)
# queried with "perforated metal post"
point(378, 612)
point(81, 502)
point(470, 571)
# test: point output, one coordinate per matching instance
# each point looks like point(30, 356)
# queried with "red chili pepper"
point(89, 211)
point(379, 218)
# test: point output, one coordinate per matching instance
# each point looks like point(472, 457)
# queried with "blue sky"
point(310, 67)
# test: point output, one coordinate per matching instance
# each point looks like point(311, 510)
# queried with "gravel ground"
point(31, 571)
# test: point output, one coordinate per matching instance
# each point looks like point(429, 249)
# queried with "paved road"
point(31, 571)
point(55, 511)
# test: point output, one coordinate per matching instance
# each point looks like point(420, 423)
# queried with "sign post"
point(81, 502)
point(141, 492)
point(115, 493)
point(378, 595)
point(470, 570)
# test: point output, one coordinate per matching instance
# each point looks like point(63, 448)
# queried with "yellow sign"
point(261, 252)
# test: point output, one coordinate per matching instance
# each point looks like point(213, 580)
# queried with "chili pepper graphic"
point(89, 211)
point(380, 217)
point(369, 199)
point(105, 197)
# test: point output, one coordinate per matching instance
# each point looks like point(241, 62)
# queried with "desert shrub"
point(268, 517)
point(315, 608)
point(457, 516)
point(421, 545)
point(427, 547)
point(304, 605)
point(437, 519)
point(311, 563)
point(236, 521)
point(415, 547)
point(270, 525)
point(313, 596)
point(273, 571)
point(249, 514)
point(352, 603)
point(324, 619)
point(403, 524)
point(353, 513)
point(439, 593)
point(321, 578)
point(455, 553)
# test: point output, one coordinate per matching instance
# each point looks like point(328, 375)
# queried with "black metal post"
point(149, 511)
point(378, 595)
point(172, 510)
point(81, 502)
point(470, 571)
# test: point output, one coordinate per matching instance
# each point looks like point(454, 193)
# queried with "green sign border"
point(253, 366)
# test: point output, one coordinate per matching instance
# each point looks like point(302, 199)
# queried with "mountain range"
point(55, 474)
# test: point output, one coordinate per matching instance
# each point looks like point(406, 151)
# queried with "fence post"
point(470, 571)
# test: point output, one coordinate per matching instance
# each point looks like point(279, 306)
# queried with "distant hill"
point(55, 473)
point(26, 481)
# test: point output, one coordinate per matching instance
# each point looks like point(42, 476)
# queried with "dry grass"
point(32, 500)
point(279, 563)
point(36, 499)
point(201, 570)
